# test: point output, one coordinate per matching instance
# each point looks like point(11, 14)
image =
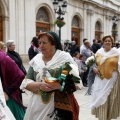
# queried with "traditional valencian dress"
point(106, 88)
point(38, 109)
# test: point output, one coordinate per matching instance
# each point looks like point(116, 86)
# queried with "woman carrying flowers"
point(106, 88)
point(51, 77)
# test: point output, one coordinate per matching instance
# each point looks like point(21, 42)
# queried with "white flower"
point(89, 60)
point(74, 71)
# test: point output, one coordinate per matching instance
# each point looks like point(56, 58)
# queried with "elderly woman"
point(106, 88)
point(14, 55)
point(50, 100)
point(11, 78)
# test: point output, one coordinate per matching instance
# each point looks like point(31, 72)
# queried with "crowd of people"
point(52, 85)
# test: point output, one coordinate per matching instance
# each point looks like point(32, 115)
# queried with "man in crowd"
point(95, 46)
point(86, 52)
point(74, 48)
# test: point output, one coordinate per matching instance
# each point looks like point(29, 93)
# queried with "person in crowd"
point(67, 47)
point(86, 52)
point(100, 43)
point(34, 48)
point(2, 46)
point(14, 55)
point(11, 78)
point(82, 46)
point(50, 58)
point(83, 66)
point(95, 46)
point(106, 88)
point(79, 60)
point(74, 48)
point(76, 56)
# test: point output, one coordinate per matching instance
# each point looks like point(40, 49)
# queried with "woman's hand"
point(45, 86)
point(95, 70)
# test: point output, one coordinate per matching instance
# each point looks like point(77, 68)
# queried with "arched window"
point(98, 30)
point(42, 20)
point(42, 15)
point(98, 26)
point(75, 33)
point(75, 21)
point(1, 26)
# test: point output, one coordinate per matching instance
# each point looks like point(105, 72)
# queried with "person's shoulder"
point(63, 53)
point(114, 49)
point(31, 47)
point(39, 55)
point(36, 59)
point(101, 50)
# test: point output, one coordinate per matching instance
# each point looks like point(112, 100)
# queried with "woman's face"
point(45, 45)
point(12, 47)
point(107, 43)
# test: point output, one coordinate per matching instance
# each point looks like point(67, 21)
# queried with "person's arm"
point(30, 84)
point(95, 69)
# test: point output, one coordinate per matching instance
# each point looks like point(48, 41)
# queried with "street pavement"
point(83, 101)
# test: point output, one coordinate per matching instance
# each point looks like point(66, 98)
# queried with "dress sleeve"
point(30, 77)
point(31, 74)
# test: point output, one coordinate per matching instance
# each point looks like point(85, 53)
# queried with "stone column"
point(91, 29)
point(5, 28)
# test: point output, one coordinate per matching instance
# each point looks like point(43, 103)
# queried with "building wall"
point(19, 19)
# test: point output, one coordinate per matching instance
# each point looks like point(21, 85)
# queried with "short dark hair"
point(75, 54)
point(84, 39)
point(94, 40)
point(35, 41)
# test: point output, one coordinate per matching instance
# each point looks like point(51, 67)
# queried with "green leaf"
point(67, 67)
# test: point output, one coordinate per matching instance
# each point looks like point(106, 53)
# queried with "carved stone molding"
point(108, 17)
point(90, 12)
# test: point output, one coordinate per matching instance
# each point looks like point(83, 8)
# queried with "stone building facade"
point(20, 20)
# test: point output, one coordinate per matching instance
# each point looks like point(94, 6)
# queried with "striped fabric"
point(111, 108)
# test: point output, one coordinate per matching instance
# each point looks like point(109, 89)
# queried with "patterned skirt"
point(111, 108)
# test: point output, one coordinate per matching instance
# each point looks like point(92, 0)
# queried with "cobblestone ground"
point(83, 101)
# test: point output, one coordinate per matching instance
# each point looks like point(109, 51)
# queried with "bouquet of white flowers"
point(90, 61)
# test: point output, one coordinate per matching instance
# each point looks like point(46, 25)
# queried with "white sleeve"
point(24, 83)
